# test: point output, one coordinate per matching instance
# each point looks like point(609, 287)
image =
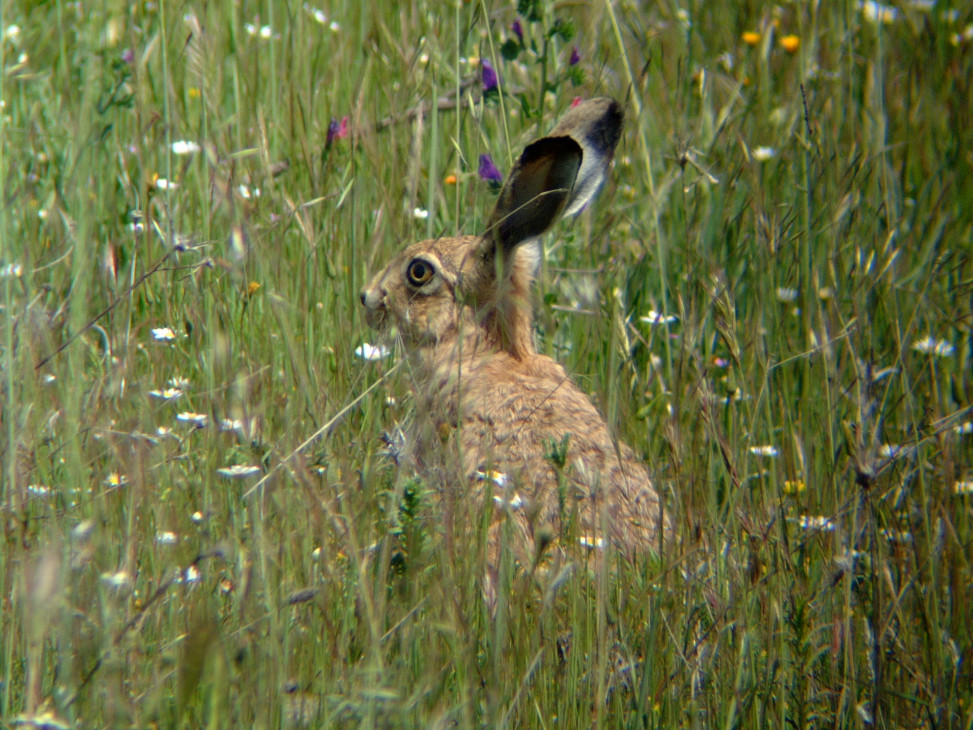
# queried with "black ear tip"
point(606, 132)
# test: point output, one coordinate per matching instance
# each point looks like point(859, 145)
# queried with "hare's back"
point(528, 420)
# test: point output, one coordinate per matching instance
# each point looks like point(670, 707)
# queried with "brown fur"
point(486, 401)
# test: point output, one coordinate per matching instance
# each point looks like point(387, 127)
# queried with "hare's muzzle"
point(373, 299)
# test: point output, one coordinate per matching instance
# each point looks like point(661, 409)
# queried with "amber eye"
point(419, 272)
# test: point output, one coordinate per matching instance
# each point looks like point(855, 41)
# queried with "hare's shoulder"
point(533, 393)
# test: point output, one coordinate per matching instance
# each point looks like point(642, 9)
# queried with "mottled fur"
point(487, 401)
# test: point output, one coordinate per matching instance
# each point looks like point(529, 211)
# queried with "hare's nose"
point(371, 296)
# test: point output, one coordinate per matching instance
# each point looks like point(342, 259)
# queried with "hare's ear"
point(596, 125)
point(536, 192)
point(557, 174)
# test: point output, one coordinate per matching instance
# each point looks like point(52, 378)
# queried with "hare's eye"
point(419, 272)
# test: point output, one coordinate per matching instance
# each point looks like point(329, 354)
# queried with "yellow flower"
point(751, 38)
point(790, 43)
point(450, 180)
point(252, 288)
point(794, 487)
point(193, 92)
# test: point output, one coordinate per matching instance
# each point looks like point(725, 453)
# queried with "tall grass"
point(794, 186)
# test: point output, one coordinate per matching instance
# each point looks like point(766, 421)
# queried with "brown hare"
point(489, 407)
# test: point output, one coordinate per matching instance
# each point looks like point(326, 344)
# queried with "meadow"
point(771, 301)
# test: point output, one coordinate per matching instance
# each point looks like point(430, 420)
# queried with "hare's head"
point(434, 288)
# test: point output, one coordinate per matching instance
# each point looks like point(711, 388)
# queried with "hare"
point(489, 407)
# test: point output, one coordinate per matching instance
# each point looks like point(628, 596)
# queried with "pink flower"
point(336, 130)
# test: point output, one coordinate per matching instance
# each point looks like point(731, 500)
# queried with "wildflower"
point(751, 38)
point(167, 394)
point(790, 43)
point(575, 57)
point(450, 180)
point(488, 75)
point(336, 130)
point(795, 486)
point(517, 28)
point(318, 15)
point(160, 183)
point(932, 346)
point(654, 317)
point(184, 147)
point(762, 154)
point(786, 294)
point(488, 171)
point(576, 101)
point(11, 33)
point(515, 502)
point(958, 38)
point(899, 536)
point(263, 31)
point(197, 419)
point(316, 554)
point(497, 477)
point(197, 517)
point(591, 542)
point(115, 480)
point(11, 271)
point(964, 428)
point(876, 12)
point(963, 488)
point(128, 56)
point(420, 214)
point(190, 574)
point(177, 381)
point(238, 471)
point(247, 192)
point(193, 92)
point(166, 537)
point(816, 522)
point(334, 27)
point(372, 352)
point(117, 580)
point(768, 451)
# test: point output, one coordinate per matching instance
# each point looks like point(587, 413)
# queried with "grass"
point(803, 206)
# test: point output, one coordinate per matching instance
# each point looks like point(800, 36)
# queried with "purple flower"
point(518, 30)
point(128, 56)
point(336, 130)
point(332, 133)
point(488, 76)
point(575, 57)
point(488, 171)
